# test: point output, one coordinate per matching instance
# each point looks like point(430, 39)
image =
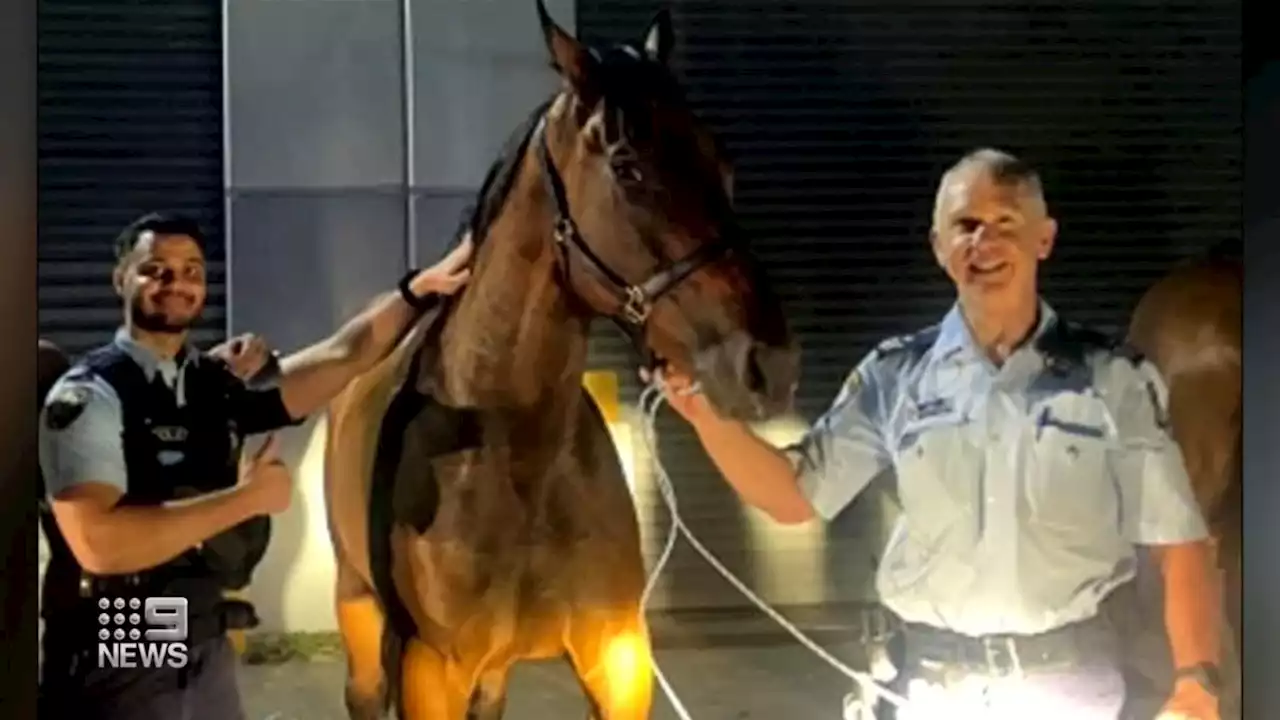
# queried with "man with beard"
point(1031, 457)
point(147, 493)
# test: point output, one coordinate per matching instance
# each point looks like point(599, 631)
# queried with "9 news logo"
point(124, 644)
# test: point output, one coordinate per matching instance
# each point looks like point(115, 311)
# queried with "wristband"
point(421, 304)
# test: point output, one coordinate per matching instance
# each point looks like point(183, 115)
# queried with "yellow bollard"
point(237, 637)
point(603, 386)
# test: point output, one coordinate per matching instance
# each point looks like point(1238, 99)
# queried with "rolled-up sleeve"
point(844, 450)
point(1158, 506)
point(80, 436)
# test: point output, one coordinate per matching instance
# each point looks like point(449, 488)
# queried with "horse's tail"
point(392, 665)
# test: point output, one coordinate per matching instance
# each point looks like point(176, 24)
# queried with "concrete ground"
point(741, 682)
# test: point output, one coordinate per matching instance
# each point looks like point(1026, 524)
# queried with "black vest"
point(170, 453)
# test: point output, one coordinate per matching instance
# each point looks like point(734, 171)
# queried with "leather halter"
point(635, 300)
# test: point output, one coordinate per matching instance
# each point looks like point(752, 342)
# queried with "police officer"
point(1031, 457)
point(146, 421)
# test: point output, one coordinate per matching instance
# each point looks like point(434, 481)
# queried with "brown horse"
point(478, 509)
point(1189, 325)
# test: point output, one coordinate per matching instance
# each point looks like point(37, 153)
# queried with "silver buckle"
point(563, 230)
point(1001, 654)
point(636, 308)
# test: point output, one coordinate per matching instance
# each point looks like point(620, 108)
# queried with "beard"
point(158, 321)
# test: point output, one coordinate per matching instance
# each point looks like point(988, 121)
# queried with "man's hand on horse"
point(244, 354)
point(683, 396)
point(447, 276)
point(1190, 701)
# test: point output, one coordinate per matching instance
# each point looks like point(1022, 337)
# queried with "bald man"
point(1032, 458)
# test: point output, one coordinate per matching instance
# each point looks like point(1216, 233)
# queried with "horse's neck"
point(514, 339)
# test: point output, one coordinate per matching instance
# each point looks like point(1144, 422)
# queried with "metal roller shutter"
point(130, 120)
point(841, 116)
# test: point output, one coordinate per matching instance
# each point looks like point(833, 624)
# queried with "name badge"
point(934, 408)
point(170, 433)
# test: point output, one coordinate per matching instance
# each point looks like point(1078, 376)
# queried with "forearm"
point(130, 539)
point(313, 376)
point(761, 474)
point(1191, 606)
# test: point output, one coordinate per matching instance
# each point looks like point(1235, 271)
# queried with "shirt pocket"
point(1070, 486)
point(939, 473)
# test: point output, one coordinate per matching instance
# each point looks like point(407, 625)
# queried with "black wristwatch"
point(1207, 674)
point(419, 303)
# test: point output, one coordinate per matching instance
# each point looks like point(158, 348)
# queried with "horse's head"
point(646, 225)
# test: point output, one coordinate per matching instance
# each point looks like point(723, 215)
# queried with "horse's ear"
point(659, 38)
point(570, 58)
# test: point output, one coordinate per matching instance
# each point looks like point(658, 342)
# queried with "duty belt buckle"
point(1001, 655)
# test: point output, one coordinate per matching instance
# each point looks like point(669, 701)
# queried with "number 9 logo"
point(168, 616)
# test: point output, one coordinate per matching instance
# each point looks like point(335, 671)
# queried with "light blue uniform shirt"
point(1024, 488)
point(90, 449)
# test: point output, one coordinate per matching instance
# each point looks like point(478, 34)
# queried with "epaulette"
point(1071, 344)
point(913, 344)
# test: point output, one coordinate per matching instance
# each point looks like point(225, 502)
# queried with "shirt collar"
point(956, 343)
point(148, 360)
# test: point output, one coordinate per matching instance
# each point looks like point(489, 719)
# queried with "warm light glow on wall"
point(305, 593)
point(790, 564)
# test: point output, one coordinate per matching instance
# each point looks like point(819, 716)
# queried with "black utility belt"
point(1071, 645)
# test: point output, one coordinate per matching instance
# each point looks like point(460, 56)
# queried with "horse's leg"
point(1206, 426)
point(428, 691)
point(612, 657)
point(489, 701)
point(362, 624)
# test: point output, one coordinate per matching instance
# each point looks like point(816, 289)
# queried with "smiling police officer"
point(146, 421)
point(1031, 457)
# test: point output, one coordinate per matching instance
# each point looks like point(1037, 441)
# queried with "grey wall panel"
point(479, 68)
point(302, 264)
point(438, 214)
point(315, 94)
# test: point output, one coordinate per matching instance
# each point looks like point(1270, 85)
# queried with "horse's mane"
point(626, 79)
point(499, 179)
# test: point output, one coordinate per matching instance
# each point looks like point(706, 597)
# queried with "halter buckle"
point(636, 308)
point(563, 230)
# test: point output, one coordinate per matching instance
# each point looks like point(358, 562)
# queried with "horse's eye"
point(626, 170)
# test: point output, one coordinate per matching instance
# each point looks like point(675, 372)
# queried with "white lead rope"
point(650, 401)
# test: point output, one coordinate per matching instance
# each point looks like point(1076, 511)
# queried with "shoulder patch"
point(853, 383)
point(65, 405)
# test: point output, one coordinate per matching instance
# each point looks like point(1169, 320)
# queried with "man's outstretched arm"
point(313, 376)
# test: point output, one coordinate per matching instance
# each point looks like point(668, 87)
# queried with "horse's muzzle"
point(748, 380)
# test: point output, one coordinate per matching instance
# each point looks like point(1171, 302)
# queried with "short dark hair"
point(159, 224)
